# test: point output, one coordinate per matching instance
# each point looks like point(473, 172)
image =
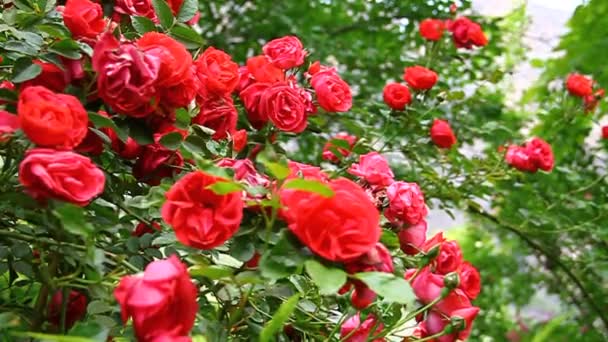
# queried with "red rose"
point(155, 163)
point(9, 123)
point(333, 94)
point(250, 97)
point(201, 218)
point(362, 331)
point(61, 175)
point(126, 76)
point(362, 296)
point(519, 158)
point(591, 101)
point(541, 153)
point(245, 79)
point(470, 280)
point(605, 132)
point(51, 77)
point(284, 106)
point(442, 134)
point(405, 203)
point(254, 261)
point(83, 18)
point(436, 322)
point(143, 228)
point(419, 77)
point(432, 29)
point(129, 150)
point(300, 170)
point(75, 309)
point(412, 238)
point(374, 169)
point(579, 85)
point(263, 71)
point(285, 52)
point(219, 114)
point(427, 287)
point(329, 149)
point(217, 72)
point(239, 140)
point(466, 33)
point(337, 228)
point(51, 120)
point(142, 8)
point(396, 96)
point(175, 60)
point(181, 94)
point(449, 258)
point(161, 302)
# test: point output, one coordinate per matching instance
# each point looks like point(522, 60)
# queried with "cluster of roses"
point(534, 155)
point(581, 86)
point(465, 32)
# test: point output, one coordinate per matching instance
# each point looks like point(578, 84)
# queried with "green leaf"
point(73, 219)
point(92, 330)
point(97, 307)
point(314, 186)
point(279, 171)
point(456, 95)
point(282, 260)
point(186, 35)
point(163, 12)
point(101, 121)
point(546, 332)
point(171, 140)
point(211, 272)
point(25, 70)
point(142, 24)
point(22, 47)
point(393, 289)
point(187, 11)
point(53, 338)
point(67, 48)
point(389, 239)
point(182, 118)
point(225, 187)
point(329, 280)
point(279, 318)
point(140, 133)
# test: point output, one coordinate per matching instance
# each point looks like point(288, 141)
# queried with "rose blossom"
point(285, 108)
point(285, 52)
point(75, 309)
point(51, 120)
point(412, 238)
point(374, 169)
point(156, 162)
point(362, 330)
point(218, 113)
point(466, 33)
point(161, 302)
point(51, 77)
point(419, 77)
point(396, 96)
point(338, 228)
point(470, 280)
point(333, 94)
point(61, 175)
point(542, 154)
point(141, 8)
point(239, 140)
point(442, 134)
point(436, 322)
point(518, 157)
point(142, 228)
point(251, 97)
point(175, 60)
point(218, 73)
point(432, 29)
point(449, 258)
point(199, 217)
point(579, 85)
point(406, 203)
point(83, 18)
point(262, 70)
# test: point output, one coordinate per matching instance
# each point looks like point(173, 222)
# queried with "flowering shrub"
point(154, 196)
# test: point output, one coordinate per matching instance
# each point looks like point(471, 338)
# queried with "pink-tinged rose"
point(405, 203)
point(362, 330)
point(126, 76)
point(449, 258)
point(62, 175)
point(579, 85)
point(442, 134)
point(432, 29)
point(470, 280)
point(396, 96)
point(420, 78)
point(285, 52)
point(427, 287)
point(251, 97)
point(374, 169)
point(338, 228)
point(156, 162)
point(201, 218)
point(262, 70)
point(330, 151)
point(284, 106)
point(161, 302)
point(466, 33)
point(142, 8)
point(216, 70)
point(9, 123)
point(541, 153)
point(84, 18)
point(219, 114)
point(245, 171)
point(333, 94)
point(436, 322)
point(411, 239)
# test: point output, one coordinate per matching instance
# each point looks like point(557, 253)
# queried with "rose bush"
point(184, 193)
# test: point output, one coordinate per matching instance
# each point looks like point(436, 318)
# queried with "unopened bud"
point(451, 280)
point(457, 323)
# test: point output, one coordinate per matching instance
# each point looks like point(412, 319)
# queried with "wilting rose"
point(333, 94)
point(466, 33)
point(84, 18)
point(161, 302)
point(374, 169)
point(442, 134)
point(362, 331)
point(251, 97)
point(329, 148)
point(51, 120)
point(218, 73)
point(405, 203)
point(156, 162)
point(199, 217)
point(61, 175)
point(338, 228)
point(432, 29)
point(579, 85)
point(470, 280)
point(419, 77)
point(262, 70)
point(9, 123)
point(51, 77)
point(75, 309)
point(175, 60)
point(126, 76)
point(412, 238)
point(285, 108)
point(219, 114)
point(396, 96)
point(285, 52)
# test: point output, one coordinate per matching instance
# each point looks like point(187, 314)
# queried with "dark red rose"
point(143, 228)
point(396, 96)
point(75, 310)
point(419, 77)
point(129, 150)
point(51, 77)
point(605, 132)
point(250, 97)
point(442, 134)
